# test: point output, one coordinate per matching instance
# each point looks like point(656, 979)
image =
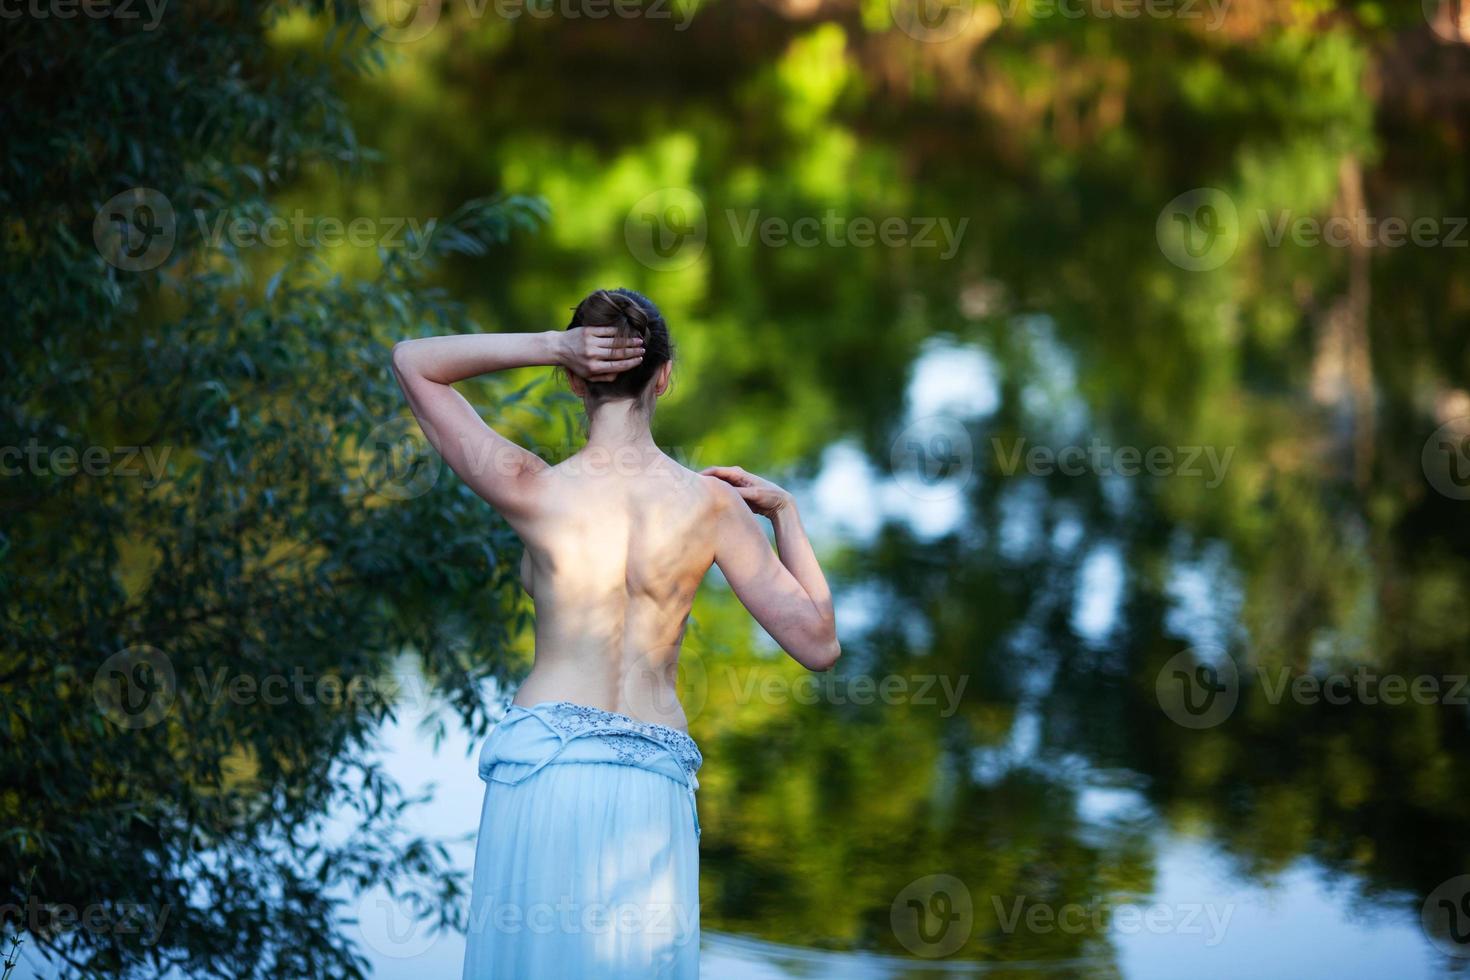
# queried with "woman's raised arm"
point(493, 466)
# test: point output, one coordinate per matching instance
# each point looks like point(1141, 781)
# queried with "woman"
point(587, 863)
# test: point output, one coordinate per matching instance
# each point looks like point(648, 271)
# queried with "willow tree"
point(218, 536)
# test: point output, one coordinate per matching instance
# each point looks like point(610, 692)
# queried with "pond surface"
point(1152, 577)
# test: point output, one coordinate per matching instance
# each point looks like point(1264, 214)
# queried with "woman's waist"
point(644, 690)
point(547, 732)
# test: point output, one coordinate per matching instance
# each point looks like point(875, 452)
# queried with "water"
point(1118, 500)
point(1140, 517)
point(1090, 833)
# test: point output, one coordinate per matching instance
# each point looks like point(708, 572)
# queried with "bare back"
point(619, 536)
point(615, 550)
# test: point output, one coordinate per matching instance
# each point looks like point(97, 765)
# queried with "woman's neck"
point(615, 424)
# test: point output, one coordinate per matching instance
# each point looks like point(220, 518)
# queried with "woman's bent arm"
point(788, 596)
point(445, 360)
point(493, 466)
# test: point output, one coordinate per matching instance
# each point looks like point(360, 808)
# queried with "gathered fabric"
point(587, 862)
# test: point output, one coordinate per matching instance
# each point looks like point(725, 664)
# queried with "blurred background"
point(1118, 353)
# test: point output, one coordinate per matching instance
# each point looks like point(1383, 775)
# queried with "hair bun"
point(633, 315)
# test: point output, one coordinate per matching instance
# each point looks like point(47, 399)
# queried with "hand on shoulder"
point(761, 495)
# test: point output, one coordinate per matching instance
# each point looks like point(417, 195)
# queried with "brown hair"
point(634, 315)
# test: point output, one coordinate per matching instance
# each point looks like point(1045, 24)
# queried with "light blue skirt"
point(587, 863)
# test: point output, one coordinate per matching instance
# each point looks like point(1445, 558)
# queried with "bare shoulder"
point(718, 495)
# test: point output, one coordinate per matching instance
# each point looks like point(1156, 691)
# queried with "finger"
point(616, 365)
point(614, 343)
point(727, 473)
point(600, 330)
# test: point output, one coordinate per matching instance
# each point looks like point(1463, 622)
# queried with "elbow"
point(401, 356)
point(824, 655)
point(404, 368)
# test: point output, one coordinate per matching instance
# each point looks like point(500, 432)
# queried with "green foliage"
point(203, 481)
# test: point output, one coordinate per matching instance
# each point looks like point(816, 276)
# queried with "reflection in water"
point(1284, 525)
